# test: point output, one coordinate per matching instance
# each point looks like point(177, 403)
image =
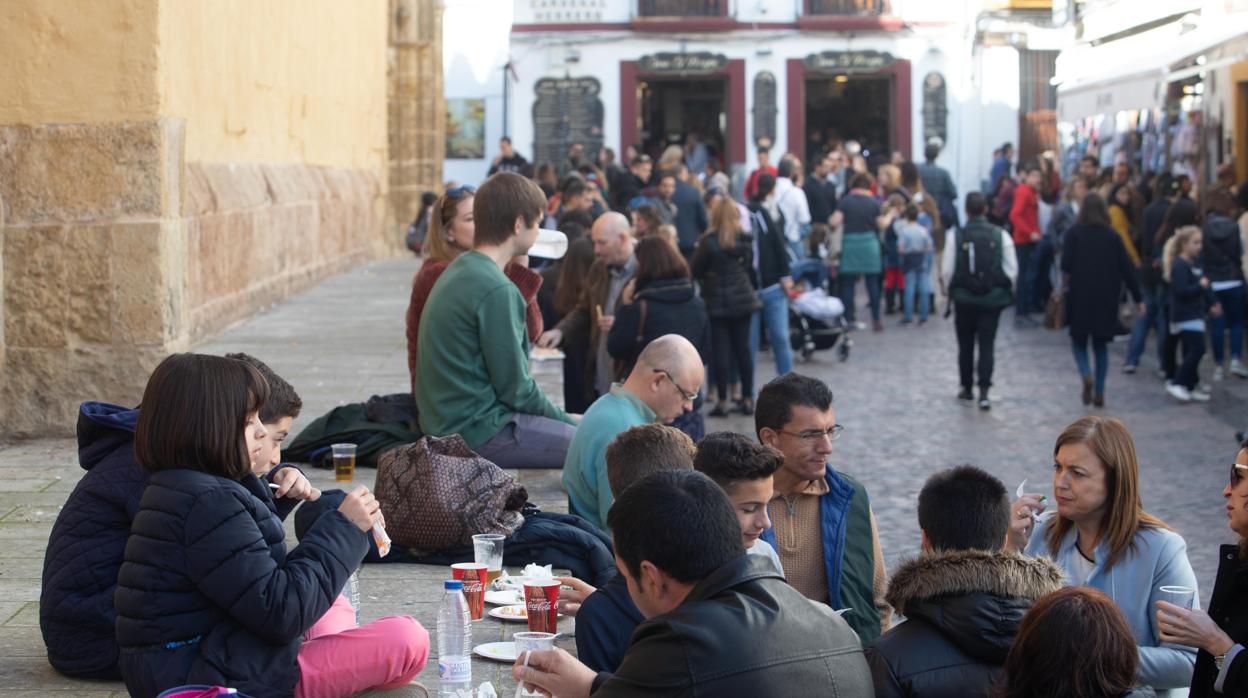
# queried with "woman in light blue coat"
point(1102, 537)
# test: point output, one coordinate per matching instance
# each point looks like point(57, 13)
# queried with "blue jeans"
point(1232, 318)
point(1026, 278)
point(1153, 319)
point(917, 281)
point(1079, 347)
point(775, 317)
point(848, 284)
point(813, 271)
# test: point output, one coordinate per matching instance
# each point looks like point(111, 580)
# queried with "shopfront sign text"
point(697, 63)
point(849, 61)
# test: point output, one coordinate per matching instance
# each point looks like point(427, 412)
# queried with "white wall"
point(474, 49)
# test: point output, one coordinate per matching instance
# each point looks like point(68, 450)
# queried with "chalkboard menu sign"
point(696, 63)
point(764, 109)
point(848, 61)
point(567, 111)
point(935, 111)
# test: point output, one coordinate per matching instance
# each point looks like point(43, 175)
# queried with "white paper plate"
point(515, 613)
point(497, 651)
point(508, 597)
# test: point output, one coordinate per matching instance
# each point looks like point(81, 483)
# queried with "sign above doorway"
point(848, 61)
point(696, 63)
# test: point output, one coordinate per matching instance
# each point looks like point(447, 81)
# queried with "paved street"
point(344, 341)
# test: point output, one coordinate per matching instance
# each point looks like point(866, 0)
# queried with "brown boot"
point(1098, 401)
point(1087, 391)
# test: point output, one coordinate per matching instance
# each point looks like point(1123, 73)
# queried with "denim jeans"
point(1026, 278)
point(775, 317)
point(1079, 347)
point(848, 282)
point(917, 281)
point(1232, 318)
point(813, 271)
point(1153, 319)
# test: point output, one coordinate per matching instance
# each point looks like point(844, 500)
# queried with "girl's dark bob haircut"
point(193, 414)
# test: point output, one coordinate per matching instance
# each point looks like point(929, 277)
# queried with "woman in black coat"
point(723, 263)
point(207, 593)
point(1221, 633)
point(1095, 266)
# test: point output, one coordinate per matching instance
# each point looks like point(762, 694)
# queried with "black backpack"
point(978, 277)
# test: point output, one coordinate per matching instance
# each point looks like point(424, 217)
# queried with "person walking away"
point(1189, 294)
point(1025, 222)
point(794, 207)
point(917, 250)
point(1222, 260)
point(690, 218)
point(1151, 222)
point(939, 185)
point(1095, 266)
point(1001, 167)
point(723, 264)
point(1220, 634)
point(978, 269)
point(858, 214)
point(1102, 537)
point(774, 277)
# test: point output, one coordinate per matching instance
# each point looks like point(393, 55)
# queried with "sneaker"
point(1178, 392)
point(1199, 396)
point(1203, 388)
point(984, 404)
point(1218, 373)
point(966, 394)
point(1129, 368)
point(1238, 368)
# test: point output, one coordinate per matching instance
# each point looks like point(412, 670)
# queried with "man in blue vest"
point(822, 524)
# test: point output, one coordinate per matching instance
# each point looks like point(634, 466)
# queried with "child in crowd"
point(207, 592)
point(88, 539)
point(894, 275)
point(1189, 295)
point(743, 468)
point(914, 243)
point(606, 617)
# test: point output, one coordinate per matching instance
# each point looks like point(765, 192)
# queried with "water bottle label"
point(454, 669)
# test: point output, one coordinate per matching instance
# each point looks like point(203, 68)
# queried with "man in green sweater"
point(662, 385)
point(473, 357)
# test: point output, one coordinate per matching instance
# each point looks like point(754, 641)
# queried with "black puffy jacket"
point(671, 308)
point(727, 277)
point(1223, 250)
point(207, 593)
point(962, 611)
point(742, 631)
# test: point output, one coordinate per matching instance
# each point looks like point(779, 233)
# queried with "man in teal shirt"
point(662, 385)
point(473, 357)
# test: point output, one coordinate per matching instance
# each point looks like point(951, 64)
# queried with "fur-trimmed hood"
point(975, 598)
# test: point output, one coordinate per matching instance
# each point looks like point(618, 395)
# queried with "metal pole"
point(506, 94)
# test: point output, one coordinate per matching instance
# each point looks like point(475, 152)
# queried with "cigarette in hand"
point(382, 540)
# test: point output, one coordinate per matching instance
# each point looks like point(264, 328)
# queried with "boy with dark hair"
point(743, 469)
point(718, 622)
point(88, 539)
point(473, 348)
point(963, 597)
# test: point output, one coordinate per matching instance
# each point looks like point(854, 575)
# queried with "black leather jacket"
point(742, 631)
point(1229, 609)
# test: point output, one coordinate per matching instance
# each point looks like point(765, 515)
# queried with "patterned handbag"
point(437, 493)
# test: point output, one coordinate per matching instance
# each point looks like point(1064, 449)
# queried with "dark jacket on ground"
point(726, 276)
point(962, 611)
point(742, 631)
point(604, 625)
point(690, 218)
point(773, 248)
point(1188, 298)
point(208, 594)
point(85, 549)
point(1228, 607)
point(671, 308)
point(1222, 251)
point(1097, 266)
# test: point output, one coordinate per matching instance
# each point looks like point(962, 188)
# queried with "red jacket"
point(527, 280)
point(1025, 215)
point(751, 184)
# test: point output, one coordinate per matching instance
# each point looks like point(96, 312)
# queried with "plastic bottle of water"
point(454, 642)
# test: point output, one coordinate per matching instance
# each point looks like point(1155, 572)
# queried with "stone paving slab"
point(343, 341)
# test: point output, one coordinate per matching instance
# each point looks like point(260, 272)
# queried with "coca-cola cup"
point(541, 597)
point(473, 577)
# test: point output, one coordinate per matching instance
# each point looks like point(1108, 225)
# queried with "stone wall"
point(416, 115)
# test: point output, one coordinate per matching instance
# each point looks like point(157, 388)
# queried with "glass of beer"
point(488, 549)
point(344, 462)
point(473, 577)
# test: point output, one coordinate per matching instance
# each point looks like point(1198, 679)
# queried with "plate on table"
point(515, 612)
point(506, 597)
point(545, 354)
point(497, 651)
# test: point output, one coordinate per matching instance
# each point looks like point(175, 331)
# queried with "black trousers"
point(730, 339)
point(976, 324)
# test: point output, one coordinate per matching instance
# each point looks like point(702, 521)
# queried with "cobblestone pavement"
point(344, 341)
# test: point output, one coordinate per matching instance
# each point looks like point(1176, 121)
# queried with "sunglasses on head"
point(460, 192)
point(1237, 473)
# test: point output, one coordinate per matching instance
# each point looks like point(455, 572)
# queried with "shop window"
point(682, 8)
point(848, 7)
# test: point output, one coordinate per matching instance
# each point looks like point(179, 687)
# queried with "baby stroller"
point(817, 322)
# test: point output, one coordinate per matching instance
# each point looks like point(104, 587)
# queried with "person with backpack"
point(978, 270)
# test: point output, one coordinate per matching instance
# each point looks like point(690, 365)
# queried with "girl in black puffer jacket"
point(723, 263)
point(1223, 260)
point(207, 593)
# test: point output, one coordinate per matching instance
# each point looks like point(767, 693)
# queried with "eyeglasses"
point(1236, 475)
point(690, 396)
point(460, 192)
point(812, 435)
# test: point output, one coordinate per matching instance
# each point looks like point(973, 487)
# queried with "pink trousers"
point(339, 659)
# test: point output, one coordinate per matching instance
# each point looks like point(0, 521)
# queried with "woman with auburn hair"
point(1102, 537)
point(1072, 643)
point(723, 263)
point(1222, 633)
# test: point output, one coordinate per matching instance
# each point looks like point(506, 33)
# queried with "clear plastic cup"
point(344, 462)
point(532, 642)
point(1183, 597)
point(487, 550)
